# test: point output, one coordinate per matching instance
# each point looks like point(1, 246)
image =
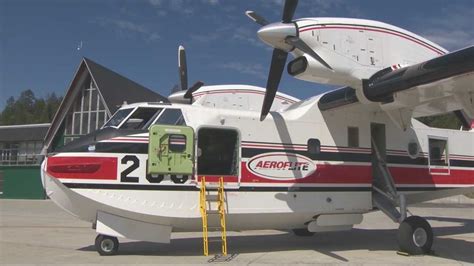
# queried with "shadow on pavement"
point(325, 243)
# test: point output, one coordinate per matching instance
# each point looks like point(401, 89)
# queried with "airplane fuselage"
point(280, 173)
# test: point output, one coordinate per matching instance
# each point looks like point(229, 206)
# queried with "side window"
point(171, 117)
point(177, 143)
point(353, 136)
point(118, 117)
point(140, 118)
point(438, 149)
point(314, 146)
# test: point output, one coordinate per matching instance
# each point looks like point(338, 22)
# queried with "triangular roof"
point(114, 88)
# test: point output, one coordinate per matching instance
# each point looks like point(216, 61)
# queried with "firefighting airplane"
point(314, 165)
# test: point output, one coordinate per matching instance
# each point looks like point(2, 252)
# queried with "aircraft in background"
point(315, 165)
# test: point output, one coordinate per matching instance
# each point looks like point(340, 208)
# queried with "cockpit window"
point(118, 117)
point(171, 117)
point(141, 118)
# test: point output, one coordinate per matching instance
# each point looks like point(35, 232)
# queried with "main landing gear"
point(106, 245)
point(415, 236)
point(414, 233)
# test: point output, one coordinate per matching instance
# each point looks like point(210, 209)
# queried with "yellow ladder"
point(205, 199)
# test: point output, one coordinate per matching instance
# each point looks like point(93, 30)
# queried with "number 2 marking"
point(135, 164)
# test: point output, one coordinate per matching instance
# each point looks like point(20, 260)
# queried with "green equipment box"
point(171, 150)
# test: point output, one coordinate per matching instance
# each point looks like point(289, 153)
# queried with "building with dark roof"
point(93, 96)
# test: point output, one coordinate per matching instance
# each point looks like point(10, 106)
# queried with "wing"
point(440, 85)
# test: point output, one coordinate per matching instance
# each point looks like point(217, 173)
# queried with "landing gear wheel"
point(302, 232)
point(106, 245)
point(179, 179)
point(415, 236)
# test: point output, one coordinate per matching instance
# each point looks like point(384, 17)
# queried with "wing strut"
point(384, 195)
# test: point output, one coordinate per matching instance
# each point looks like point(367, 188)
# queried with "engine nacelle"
point(307, 68)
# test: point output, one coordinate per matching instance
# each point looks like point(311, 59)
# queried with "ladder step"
point(211, 187)
point(212, 197)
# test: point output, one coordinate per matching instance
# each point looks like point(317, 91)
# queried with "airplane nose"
point(274, 34)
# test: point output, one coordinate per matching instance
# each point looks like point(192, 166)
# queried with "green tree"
point(449, 121)
point(28, 109)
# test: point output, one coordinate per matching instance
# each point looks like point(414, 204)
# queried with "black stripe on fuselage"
point(142, 148)
point(122, 147)
point(374, 27)
point(193, 188)
point(243, 188)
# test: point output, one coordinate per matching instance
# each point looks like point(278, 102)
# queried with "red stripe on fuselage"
point(361, 174)
point(58, 167)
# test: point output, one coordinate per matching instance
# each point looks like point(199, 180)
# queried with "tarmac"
point(39, 232)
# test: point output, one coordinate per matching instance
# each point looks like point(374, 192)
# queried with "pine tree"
point(28, 109)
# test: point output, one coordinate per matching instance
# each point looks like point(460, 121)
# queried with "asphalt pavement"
point(39, 232)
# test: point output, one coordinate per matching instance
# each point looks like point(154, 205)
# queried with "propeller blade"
point(289, 10)
point(256, 17)
point(274, 77)
point(300, 44)
point(182, 68)
point(190, 91)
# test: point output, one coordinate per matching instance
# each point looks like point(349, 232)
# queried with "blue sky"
point(139, 39)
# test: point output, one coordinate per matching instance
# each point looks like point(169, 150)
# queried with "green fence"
point(21, 182)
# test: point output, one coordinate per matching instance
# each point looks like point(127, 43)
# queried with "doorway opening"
point(218, 152)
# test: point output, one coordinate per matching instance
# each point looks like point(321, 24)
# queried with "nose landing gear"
point(106, 245)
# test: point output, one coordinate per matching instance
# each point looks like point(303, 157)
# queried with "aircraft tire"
point(302, 232)
point(415, 236)
point(106, 245)
point(179, 180)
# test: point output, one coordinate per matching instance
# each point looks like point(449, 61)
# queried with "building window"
point(87, 115)
point(21, 153)
point(353, 136)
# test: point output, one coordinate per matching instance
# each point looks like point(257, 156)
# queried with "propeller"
point(289, 11)
point(256, 18)
point(192, 89)
point(182, 68)
point(283, 37)
point(183, 76)
point(298, 43)
point(274, 77)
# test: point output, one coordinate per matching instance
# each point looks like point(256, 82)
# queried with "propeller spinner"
point(283, 37)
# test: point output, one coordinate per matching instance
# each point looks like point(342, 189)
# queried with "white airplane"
point(315, 165)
